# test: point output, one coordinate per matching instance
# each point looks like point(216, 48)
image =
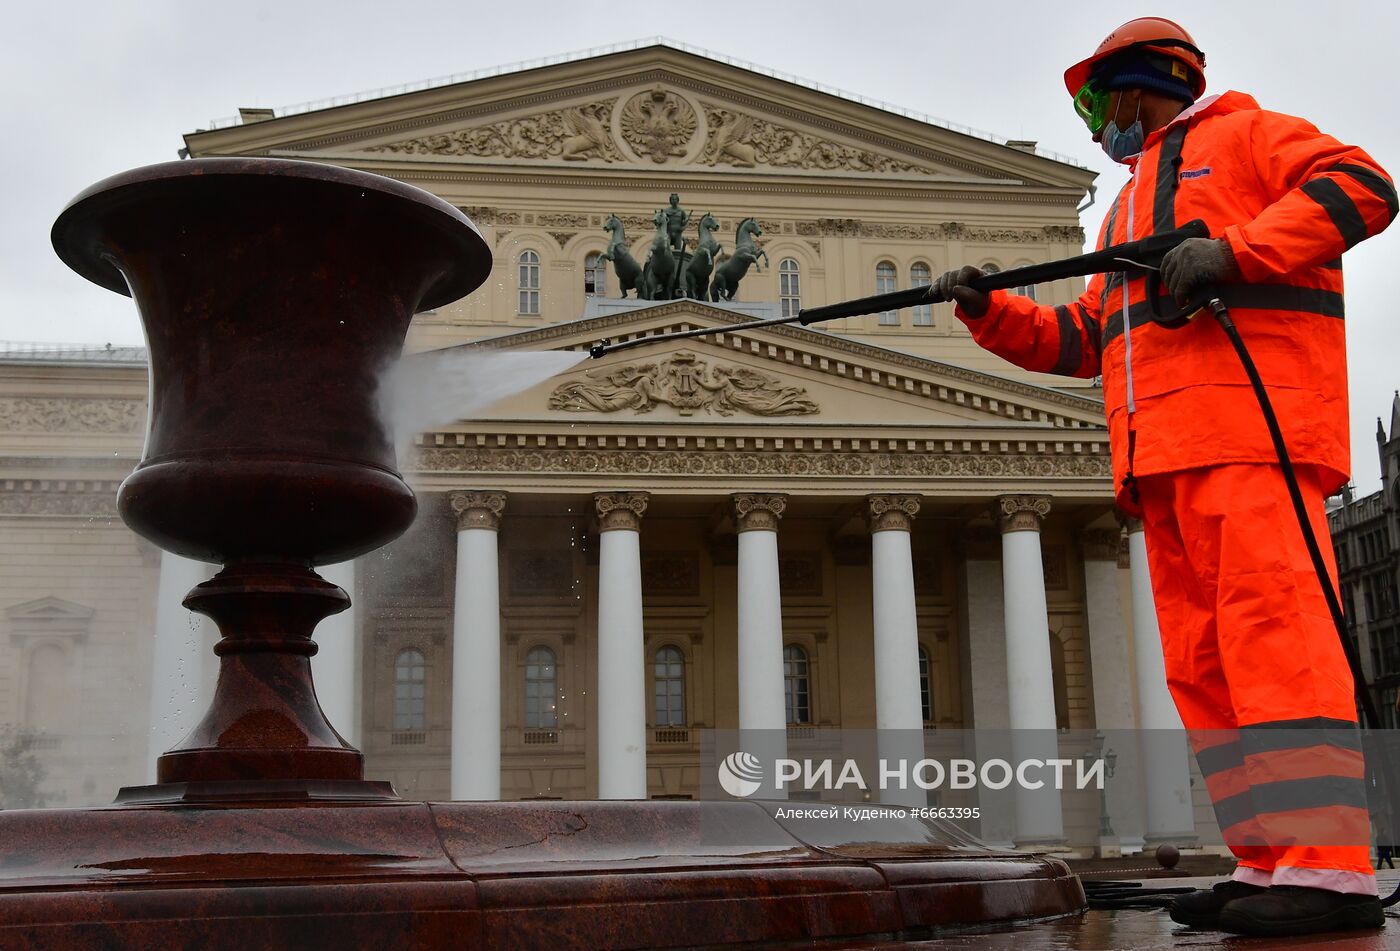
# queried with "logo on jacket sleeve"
point(1187, 173)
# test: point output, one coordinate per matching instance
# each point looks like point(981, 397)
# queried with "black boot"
point(1201, 909)
point(1293, 909)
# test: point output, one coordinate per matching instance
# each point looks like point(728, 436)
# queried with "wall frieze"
point(820, 227)
point(944, 231)
point(64, 414)
point(59, 497)
point(732, 463)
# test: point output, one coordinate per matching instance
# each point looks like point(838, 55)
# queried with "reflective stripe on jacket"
point(1289, 200)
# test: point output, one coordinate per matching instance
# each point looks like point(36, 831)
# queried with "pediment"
point(660, 123)
point(49, 609)
point(654, 108)
point(776, 375)
point(48, 618)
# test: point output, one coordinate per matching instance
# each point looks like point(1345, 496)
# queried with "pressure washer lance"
point(1143, 256)
point(1132, 258)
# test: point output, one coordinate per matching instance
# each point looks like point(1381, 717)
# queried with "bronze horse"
point(746, 252)
point(659, 273)
point(629, 272)
point(702, 259)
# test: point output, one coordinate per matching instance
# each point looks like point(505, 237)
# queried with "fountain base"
point(559, 875)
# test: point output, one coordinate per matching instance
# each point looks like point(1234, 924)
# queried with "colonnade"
point(1024, 702)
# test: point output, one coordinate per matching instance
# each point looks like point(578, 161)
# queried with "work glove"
point(953, 286)
point(1196, 263)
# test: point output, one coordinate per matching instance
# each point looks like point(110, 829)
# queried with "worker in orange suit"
point(1253, 660)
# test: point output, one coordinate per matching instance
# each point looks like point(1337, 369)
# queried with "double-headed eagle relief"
point(684, 382)
point(658, 124)
point(676, 267)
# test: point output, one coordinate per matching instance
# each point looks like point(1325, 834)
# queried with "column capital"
point(476, 509)
point(620, 511)
point(1022, 513)
point(1130, 524)
point(891, 513)
point(757, 513)
point(1100, 544)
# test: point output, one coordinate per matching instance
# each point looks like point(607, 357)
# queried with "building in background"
point(689, 536)
point(1366, 536)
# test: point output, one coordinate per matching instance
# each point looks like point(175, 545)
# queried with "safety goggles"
point(1091, 104)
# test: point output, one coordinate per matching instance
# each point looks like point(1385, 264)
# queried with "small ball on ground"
point(1168, 855)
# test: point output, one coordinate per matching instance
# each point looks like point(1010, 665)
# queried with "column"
point(179, 657)
point(622, 687)
point(898, 713)
point(476, 647)
point(1030, 681)
point(985, 695)
point(333, 665)
point(1167, 770)
point(1111, 661)
point(762, 710)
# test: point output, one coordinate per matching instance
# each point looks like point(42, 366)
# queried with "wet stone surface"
point(1146, 929)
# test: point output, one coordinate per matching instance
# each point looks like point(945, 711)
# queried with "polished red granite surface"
point(585, 875)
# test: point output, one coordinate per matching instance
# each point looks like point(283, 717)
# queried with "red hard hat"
point(1157, 34)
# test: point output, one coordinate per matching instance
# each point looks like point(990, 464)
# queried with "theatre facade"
point(691, 535)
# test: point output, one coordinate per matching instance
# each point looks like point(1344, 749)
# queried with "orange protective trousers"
point(1258, 674)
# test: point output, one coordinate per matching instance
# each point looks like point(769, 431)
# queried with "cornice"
point(872, 371)
point(696, 178)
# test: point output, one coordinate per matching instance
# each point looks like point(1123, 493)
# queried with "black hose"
point(1334, 605)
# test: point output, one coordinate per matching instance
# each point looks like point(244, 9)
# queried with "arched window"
point(410, 691)
point(541, 690)
point(529, 283)
point(595, 275)
point(669, 674)
point(990, 268)
point(885, 281)
point(797, 685)
point(790, 287)
point(925, 684)
point(921, 276)
point(1026, 290)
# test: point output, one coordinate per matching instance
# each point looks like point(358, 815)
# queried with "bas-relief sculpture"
point(686, 383)
point(660, 126)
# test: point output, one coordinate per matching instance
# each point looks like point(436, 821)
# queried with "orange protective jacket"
point(1289, 200)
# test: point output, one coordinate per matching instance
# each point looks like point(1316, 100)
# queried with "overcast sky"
point(94, 88)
